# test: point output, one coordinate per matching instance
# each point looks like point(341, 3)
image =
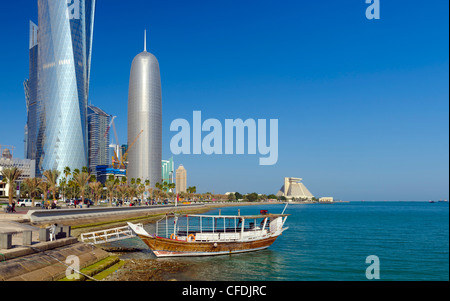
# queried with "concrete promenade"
point(44, 215)
point(30, 257)
point(40, 260)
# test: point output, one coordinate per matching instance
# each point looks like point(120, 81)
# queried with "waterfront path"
point(45, 260)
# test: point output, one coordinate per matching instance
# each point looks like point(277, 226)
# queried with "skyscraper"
point(144, 114)
point(31, 90)
point(181, 179)
point(98, 137)
point(58, 138)
point(167, 170)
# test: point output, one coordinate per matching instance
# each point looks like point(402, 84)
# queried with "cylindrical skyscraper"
point(144, 114)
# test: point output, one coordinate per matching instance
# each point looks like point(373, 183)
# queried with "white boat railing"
point(108, 235)
point(219, 228)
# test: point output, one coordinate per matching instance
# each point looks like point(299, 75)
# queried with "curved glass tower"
point(144, 114)
point(63, 66)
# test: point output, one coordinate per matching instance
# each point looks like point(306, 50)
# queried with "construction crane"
point(123, 159)
point(115, 158)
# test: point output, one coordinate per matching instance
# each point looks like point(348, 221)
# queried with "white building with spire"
point(144, 118)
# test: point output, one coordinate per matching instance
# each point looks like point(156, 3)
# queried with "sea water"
point(333, 242)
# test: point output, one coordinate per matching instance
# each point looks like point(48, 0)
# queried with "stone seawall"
point(46, 261)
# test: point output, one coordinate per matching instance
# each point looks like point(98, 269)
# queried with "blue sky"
point(362, 105)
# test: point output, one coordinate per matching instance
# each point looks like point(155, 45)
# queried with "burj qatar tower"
point(144, 118)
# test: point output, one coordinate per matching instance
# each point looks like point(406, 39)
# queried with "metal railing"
point(108, 235)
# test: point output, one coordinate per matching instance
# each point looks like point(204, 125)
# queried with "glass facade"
point(167, 171)
point(64, 46)
point(31, 91)
point(98, 137)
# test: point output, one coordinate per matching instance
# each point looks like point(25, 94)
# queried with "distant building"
point(28, 168)
point(104, 171)
point(167, 170)
point(293, 188)
point(326, 200)
point(181, 182)
point(6, 153)
point(98, 137)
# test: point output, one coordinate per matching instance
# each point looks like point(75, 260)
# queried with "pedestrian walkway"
point(11, 226)
point(19, 216)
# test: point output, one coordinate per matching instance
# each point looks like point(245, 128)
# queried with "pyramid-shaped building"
point(293, 188)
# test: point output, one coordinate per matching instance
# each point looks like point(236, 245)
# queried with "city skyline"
point(362, 104)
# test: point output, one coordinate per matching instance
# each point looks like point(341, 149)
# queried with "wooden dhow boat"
point(204, 235)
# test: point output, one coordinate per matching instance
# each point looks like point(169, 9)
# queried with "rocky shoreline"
point(148, 270)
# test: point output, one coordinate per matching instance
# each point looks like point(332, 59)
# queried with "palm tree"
point(97, 189)
point(81, 180)
point(171, 186)
point(32, 186)
point(122, 190)
point(165, 186)
point(150, 193)
point(64, 181)
point(44, 187)
point(67, 172)
point(52, 178)
point(132, 191)
point(11, 175)
point(111, 188)
point(191, 190)
point(141, 190)
point(158, 186)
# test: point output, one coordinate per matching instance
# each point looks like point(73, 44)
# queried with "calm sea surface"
point(332, 242)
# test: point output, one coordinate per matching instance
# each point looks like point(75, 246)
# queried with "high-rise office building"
point(31, 90)
point(167, 171)
point(144, 114)
point(62, 62)
point(181, 179)
point(98, 137)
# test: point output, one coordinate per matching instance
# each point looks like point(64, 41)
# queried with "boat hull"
point(164, 247)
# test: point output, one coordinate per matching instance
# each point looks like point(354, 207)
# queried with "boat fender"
point(191, 237)
point(215, 245)
point(173, 236)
